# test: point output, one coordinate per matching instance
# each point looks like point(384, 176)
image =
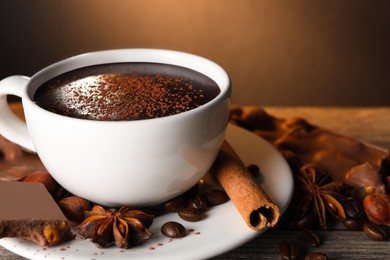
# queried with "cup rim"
point(171, 57)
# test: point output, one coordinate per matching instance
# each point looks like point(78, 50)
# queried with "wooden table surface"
point(366, 124)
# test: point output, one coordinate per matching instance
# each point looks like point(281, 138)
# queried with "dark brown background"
point(303, 52)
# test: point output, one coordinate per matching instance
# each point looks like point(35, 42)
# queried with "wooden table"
point(366, 124)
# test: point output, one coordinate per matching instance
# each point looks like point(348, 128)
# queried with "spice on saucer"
point(254, 205)
point(125, 227)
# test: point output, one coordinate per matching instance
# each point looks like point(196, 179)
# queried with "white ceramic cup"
point(113, 163)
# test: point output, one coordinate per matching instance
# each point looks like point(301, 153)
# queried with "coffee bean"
point(353, 209)
point(316, 256)
point(353, 224)
point(215, 197)
point(374, 231)
point(295, 249)
point(191, 214)
point(307, 221)
point(284, 249)
point(312, 238)
point(197, 202)
point(289, 249)
point(175, 204)
point(173, 229)
point(180, 201)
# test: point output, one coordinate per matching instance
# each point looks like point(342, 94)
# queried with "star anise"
point(125, 227)
point(320, 194)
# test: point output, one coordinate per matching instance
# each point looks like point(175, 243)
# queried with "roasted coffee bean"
point(353, 209)
point(374, 231)
point(197, 202)
point(175, 204)
point(289, 249)
point(307, 221)
point(191, 214)
point(254, 170)
point(284, 249)
point(215, 197)
point(312, 238)
point(353, 224)
point(181, 201)
point(173, 229)
point(295, 249)
point(316, 256)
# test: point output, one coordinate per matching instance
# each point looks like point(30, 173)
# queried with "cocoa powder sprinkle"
point(123, 96)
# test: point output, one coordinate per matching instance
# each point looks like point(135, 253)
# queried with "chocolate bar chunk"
point(348, 160)
point(29, 212)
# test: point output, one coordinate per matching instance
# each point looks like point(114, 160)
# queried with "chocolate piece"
point(345, 159)
point(29, 212)
point(360, 165)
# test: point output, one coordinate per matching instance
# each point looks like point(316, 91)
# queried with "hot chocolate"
point(126, 91)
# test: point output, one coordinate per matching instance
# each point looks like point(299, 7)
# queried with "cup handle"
point(11, 127)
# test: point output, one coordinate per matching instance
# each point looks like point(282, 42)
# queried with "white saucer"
point(220, 231)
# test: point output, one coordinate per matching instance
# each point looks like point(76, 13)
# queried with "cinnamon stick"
point(252, 202)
